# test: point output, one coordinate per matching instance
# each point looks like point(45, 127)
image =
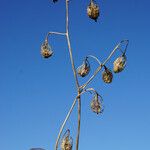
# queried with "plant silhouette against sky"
point(93, 12)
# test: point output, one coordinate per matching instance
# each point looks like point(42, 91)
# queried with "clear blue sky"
point(35, 94)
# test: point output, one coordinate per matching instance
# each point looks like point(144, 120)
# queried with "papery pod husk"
point(96, 104)
point(93, 11)
point(107, 75)
point(67, 141)
point(119, 64)
point(46, 50)
point(84, 69)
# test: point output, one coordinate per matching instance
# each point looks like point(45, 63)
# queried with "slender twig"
point(69, 46)
point(69, 113)
point(57, 33)
point(77, 85)
point(94, 57)
point(64, 123)
point(127, 43)
point(75, 74)
point(79, 122)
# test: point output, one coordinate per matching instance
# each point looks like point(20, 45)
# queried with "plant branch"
point(64, 123)
point(75, 74)
point(68, 115)
point(80, 89)
point(79, 122)
point(94, 57)
point(55, 33)
point(69, 46)
point(107, 59)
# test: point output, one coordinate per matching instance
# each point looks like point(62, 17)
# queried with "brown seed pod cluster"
point(67, 141)
point(46, 51)
point(96, 104)
point(119, 64)
point(93, 11)
point(84, 69)
point(107, 75)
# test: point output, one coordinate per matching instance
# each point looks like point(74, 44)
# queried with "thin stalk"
point(75, 74)
point(64, 123)
point(94, 57)
point(68, 115)
point(127, 43)
point(69, 45)
point(76, 80)
point(57, 33)
point(79, 122)
point(100, 67)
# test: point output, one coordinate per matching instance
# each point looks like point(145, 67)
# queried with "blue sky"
point(35, 94)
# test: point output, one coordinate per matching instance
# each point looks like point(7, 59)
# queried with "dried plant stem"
point(94, 58)
point(72, 61)
point(63, 125)
point(57, 33)
point(79, 122)
point(100, 67)
point(69, 45)
point(77, 85)
point(80, 89)
point(75, 74)
point(68, 115)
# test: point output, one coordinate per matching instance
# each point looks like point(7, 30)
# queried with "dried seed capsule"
point(46, 50)
point(119, 64)
point(67, 142)
point(96, 104)
point(107, 75)
point(84, 69)
point(93, 11)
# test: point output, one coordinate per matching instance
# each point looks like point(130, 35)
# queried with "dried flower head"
point(67, 142)
point(93, 11)
point(107, 75)
point(46, 50)
point(96, 104)
point(84, 69)
point(119, 64)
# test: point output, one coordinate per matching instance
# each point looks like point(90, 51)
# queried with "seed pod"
point(107, 75)
point(93, 11)
point(96, 104)
point(67, 141)
point(119, 64)
point(46, 50)
point(84, 69)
